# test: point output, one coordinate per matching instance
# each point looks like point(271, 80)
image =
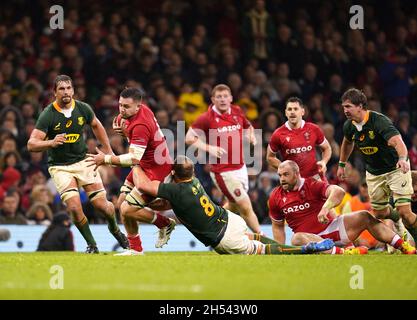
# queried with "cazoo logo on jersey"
point(299, 150)
point(297, 208)
point(234, 127)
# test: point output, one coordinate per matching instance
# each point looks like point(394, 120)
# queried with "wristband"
point(126, 160)
point(404, 158)
point(342, 164)
point(107, 159)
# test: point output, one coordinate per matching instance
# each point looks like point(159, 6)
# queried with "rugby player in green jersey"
point(223, 230)
point(59, 130)
point(386, 158)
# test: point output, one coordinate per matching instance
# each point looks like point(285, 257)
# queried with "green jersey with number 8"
point(193, 207)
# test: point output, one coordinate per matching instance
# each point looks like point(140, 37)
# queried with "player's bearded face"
point(294, 112)
point(288, 179)
point(128, 107)
point(64, 92)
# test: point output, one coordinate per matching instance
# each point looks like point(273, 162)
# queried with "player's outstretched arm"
point(101, 135)
point(37, 142)
point(143, 183)
point(124, 160)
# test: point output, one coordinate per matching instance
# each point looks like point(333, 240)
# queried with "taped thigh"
point(96, 194)
point(134, 198)
point(69, 193)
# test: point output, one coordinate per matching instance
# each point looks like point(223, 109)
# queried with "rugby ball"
point(120, 122)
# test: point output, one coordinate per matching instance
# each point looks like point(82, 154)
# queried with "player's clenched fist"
point(58, 140)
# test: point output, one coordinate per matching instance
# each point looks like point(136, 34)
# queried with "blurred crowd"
point(176, 51)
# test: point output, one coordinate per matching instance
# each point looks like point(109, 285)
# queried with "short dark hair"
point(134, 93)
point(62, 78)
point(183, 167)
point(295, 99)
point(356, 96)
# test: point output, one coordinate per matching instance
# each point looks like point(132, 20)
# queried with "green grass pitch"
point(182, 275)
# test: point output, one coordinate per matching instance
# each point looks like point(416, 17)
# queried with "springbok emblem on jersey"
point(80, 121)
point(371, 135)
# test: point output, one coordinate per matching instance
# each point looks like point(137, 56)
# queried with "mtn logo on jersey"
point(235, 127)
point(298, 150)
point(296, 208)
point(369, 150)
point(72, 137)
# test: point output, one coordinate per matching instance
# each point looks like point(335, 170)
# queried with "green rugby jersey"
point(192, 206)
point(52, 121)
point(371, 139)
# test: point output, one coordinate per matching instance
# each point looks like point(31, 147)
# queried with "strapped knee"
point(126, 189)
point(379, 206)
point(93, 195)
point(69, 193)
point(402, 201)
point(135, 199)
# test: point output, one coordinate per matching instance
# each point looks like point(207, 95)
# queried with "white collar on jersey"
point(302, 180)
point(217, 110)
point(287, 124)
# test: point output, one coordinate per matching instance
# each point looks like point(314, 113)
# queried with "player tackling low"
point(223, 230)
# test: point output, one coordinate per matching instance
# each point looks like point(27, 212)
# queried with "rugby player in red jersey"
point(306, 204)
point(219, 132)
point(297, 140)
point(148, 148)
